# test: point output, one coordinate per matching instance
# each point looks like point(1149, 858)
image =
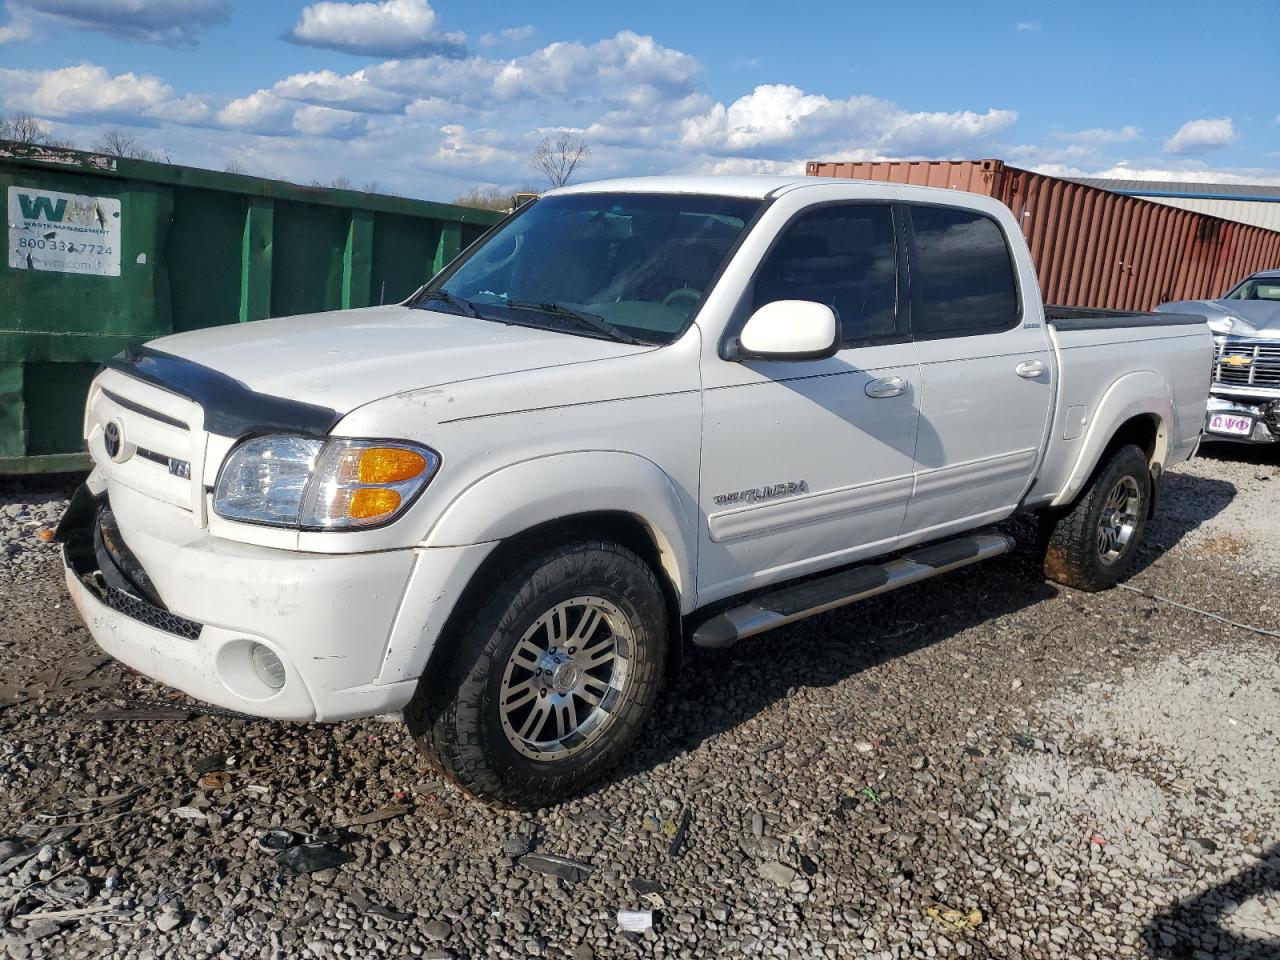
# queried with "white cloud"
point(1198, 136)
point(1028, 26)
point(171, 22)
point(510, 35)
point(353, 91)
point(260, 112)
point(389, 28)
point(624, 71)
point(781, 117)
point(326, 122)
point(190, 109)
point(733, 166)
point(1183, 174)
point(84, 90)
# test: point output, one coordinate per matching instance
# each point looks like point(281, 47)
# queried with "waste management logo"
point(63, 232)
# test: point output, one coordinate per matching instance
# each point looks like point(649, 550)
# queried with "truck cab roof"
point(765, 186)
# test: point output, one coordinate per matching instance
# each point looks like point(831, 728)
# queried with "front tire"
point(1092, 545)
point(550, 679)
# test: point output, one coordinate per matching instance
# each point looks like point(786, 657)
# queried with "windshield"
point(1256, 288)
point(626, 266)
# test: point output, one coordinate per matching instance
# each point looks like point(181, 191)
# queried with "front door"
point(985, 368)
point(806, 464)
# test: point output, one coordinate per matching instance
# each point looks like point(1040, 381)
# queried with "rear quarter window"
point(962, 277)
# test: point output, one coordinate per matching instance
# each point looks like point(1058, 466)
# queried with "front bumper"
point(353, 631)
point(1264, 414)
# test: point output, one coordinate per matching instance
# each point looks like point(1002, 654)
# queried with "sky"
point(429, 98)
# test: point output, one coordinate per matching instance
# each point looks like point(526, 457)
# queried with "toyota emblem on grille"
point(113, 440)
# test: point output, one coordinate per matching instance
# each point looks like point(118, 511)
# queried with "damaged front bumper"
point(1243, 419)
point(200, 614)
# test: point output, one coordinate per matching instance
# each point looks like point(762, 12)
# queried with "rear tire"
point(1092, 546)
point(549, 680)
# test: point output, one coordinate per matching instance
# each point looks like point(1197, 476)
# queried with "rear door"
point(985, 367)
point(808, 463)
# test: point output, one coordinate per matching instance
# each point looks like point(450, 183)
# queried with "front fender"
point(1143, 392)
point(526, 494)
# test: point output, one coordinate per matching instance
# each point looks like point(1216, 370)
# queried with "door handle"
point(1030, 369)
point(888, 387)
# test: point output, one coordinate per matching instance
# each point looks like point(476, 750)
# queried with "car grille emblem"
point(113, 440)
point(1236, 360)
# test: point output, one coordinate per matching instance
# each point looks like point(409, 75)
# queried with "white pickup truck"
point(636, 414)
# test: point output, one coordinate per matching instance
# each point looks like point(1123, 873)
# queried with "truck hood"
point(1251, 318)
point(348, 358)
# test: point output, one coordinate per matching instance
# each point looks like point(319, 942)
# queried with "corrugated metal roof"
point(1206, 191)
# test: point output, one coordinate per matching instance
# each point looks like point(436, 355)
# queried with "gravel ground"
point(982, 766)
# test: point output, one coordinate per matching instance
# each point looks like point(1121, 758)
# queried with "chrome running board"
point(779, 607)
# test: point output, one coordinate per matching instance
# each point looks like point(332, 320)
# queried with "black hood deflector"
point(231, 408)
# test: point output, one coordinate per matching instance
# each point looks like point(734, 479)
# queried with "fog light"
point(267, 666)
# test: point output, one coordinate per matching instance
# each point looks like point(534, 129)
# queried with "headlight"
point(317, 484)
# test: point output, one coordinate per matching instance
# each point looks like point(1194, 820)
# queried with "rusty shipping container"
point(1092, 247)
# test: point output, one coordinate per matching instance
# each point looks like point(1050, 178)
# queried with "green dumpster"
point(104, 252)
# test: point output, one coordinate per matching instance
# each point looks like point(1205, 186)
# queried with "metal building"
point(1256, 205)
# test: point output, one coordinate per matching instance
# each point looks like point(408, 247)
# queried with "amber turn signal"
point(390, 465)
point(372, 502)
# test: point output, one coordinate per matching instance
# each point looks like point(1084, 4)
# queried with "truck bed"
point(1101, 354)
point(1091, 318)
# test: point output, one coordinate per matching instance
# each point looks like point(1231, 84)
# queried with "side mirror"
point(789, 330)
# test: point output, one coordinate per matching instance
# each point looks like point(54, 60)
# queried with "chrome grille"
point(156, 444)
point(1246, 363)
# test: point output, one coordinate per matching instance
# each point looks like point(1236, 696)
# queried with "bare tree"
point(486, 198)
point(370, 187)
point(342, 183)
point(235, 166)
point(556, 157)
point(116, 143)
point(23, 128)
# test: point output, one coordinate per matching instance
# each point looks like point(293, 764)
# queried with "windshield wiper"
point(464, 305)
point(596, 323)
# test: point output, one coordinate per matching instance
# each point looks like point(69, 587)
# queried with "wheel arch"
point(1137, 409)
point(617, 493)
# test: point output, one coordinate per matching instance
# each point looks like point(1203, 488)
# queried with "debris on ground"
point(275, 839)
point(214, 780)
point(378, 816)
point(141, 713)
point(635, 921)
point(363, 902)
point(313, 857)
point(954, 919)
point(678, 838)
point(209, 764)
point(548, 864)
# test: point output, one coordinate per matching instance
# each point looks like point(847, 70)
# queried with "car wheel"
point(550, 679)
point(1092, 545)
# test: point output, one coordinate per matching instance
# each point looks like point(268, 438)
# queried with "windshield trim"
point(763, 204)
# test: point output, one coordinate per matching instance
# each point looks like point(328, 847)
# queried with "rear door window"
point(843, 255)
point(962, 278)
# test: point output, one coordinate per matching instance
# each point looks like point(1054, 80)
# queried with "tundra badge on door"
point(756, 494)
